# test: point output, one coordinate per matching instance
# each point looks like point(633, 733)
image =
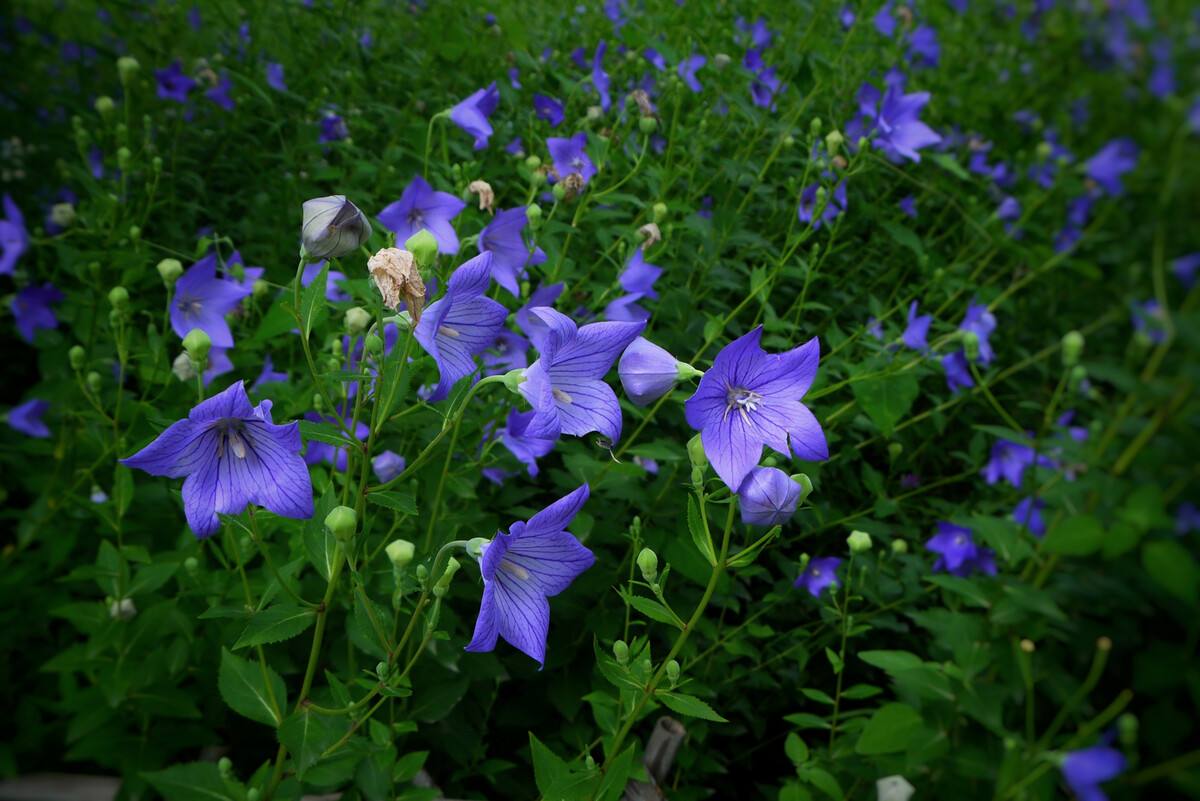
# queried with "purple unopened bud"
point(768, 497)
point(333, 226)
point(648, 372)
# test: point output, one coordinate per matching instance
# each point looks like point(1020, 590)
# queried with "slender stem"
point(837, 696)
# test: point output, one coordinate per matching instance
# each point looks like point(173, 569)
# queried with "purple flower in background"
point(570, 156)
point(388, 465)
point(173, 83)
point(419, 208)
point(269, 374)
point(1085, 770)
point(333, 292)
point(751, 398)
point(514, 77)
point(579, 58)
point(1148, 320)
point(687, 71)
point(835, 204)
point(627, 309)
point(647, 371)
point(233, 455)
point(958, 371)
point(1009, 460)
point(27, 418)
point(515, 147)
point(31, 309)
point(768, 497)
point(764, 87)
point(548, 109)
point(639, 275)
point(957, 552)
point(544, 295)
point(316, 451)
point(923, 46)
point(655, 58)
point(883, 20)
point(503, 238)
point(219, 94)
point(219, 364)
point(649, 465)
point(908, 205)
point(980, 322)
point(1184, 267)
point(275, 76)
point(599, 77)
point(917, 331)
point(894, 122)
point(507, 352)
point(875, 327)
point(1008, 212)
point(1028, 513)
point(522, 570)
point(819, 574)
point(202, 300)
point(565, 385)
point(14, 239)
point(461, 324)
point(472, 114)
point(1111, 163)
point(333, 129)
point(520, 443)
point(236, 270)
point(1187, 518)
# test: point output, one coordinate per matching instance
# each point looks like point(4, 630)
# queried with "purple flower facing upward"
point(639, 275)
point(388, 465)
point(599, 77)
point(980, 322)
point(472, 114)
point(957, 552)
point(751, 398)
point(219, 94)
point(687, 71)
point(765, 87)
point(173, 83)
point(233, 455)
point(917, 331)
point(548, 109)
point(1009, 460)
point(958, 371)
point(819, 574)
point(647, 371)
point(461, 324)
point(31, 309)
point(768, 497)
point(1085, 770)
point(522, 569)
point(14, 239)
point(1111, 163)
point(275, 80)
point(893, 121)
point(1028, 513)
point(835, 204)
point(503, 237)
point(520, 443)
point(27, 418)
point(419, 208)
point(202, 300)
point(333, 129)
point(565, 385)
point(570, 156)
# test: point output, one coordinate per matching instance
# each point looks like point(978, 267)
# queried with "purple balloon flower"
point(1111, 163)
point(893, 121)
point(957, 552)
point(768, 497)
point(647, 371)
point(503, 237)
point(419, 208)
point(883, 20)
point(917, 331)
point(751, 398)
point(173, 83)
point(544, 295)
point(687, 71)
point(520, 443)
point(219, 364)
point(1009, 460)
point(472, 114)
point(27, 418)
point(958, 371)
point(639, 275)
point(819, 574)
point(269, 374)
point(765, 87)
point(233, 455)
point(202, 300)
point(1187, 518)
point(548, 109)
point(599, 77)
point(522, 570)
point(219, 94)
point(14, 239)
point(570, 156)
point(626, 309)
point(1085, 770)
point(980, 322)
point(565, 385)
point(333, 129)
point(835, 204)
point(1028, 513)
point(923, 46)
point(655, 58)
point(388, 465)
point(1184, 267)
point(31, 309)
point(275, 80)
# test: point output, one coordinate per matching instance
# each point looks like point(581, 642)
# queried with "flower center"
point(231, 436)
point(743, 400)
point(816, 572)
point(416, 218)
point(189, 306)
point(561, 396)
point(577, 163)
point(960, 540)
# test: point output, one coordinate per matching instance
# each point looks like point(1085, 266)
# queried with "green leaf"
point(318, 542)
point(823, 780)
point(328, 433)
point(1121, 538)
point(307, 735)
point(966, 589)
point(904, 237)
point(700, 535)
point(690, 706)
point(312, 301)
point(251, 690)
point(796, 749)
point(1172, 568)
point(616, 776)
point(950, 165)
point(651, 609)
point(403, 502)
point(891, 661)
point(122, 489)
point(276, 624)
point(835, 661)
point(1076, 536)
point(820, 696)
point(554, 778)
point(886, 399)
point(889, 730)
point(191, 781)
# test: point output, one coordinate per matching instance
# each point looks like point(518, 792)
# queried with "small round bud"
point(590, 762)
point(834, 141)
point(532, 163)
point(970, 341)
point(191, 564)
point(1072, 348)
point(156, 164)
point(621, 652)
point(260, 288)
point(127, 68)
point(1127, 728)
point(533, 213)
point(660, 211)
point(672, 671)
point(1078, 375)
point(894, 450)
point(647, 125)
point(373, 344)
point(78, 357)
point(1043, 150)
point(423, 247)
point(814, 127)
point(859, 542)
point(124, 156)
point(94, 381)
point(382, 670)
point(357, 319)
point(252, 794)
point(899, 546)
point(789, 141)
point(559, 191)
point(400, 553)
point(695, 449)
point(169, 270)
point(647, 562)
point(422, 573)
point(342, 522)
point(105, 106)
point(135, 232)
point(225, 766)
point(118, 297)
point(1028, 646)
point(594, 113)
point(197, 343)
point(1103, 644)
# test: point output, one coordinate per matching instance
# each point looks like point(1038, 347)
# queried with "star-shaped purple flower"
point(173, 83)
point(600, 77)
point(893, 121)
point(233, 455)
point(819, 574)
point(1009, 460)
point(504, 238)
point(27, 418)
point(958, 371)
point(520, 443)
point(219, 94)
point(472, 114)
point(751, 398)
point(1110, 164)
point(275, 79)
point(333, 129)
point(980, 322)
point(917, 331)
point(570, 156)
point(420, 208)
point(31, 309)
point(957, 552)
point(202, 300)
point(522, 569)
point(1028, 513)
point(548, 109)
point(687, 71)
point(14, 239)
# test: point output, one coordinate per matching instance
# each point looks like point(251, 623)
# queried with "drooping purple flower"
point(599, 77)
point(1085, 770)
point(27, 418)
point(333, 129)
point(883, 20)
point(1028, 513)
point(687, 71)
point(269, 375)
point(503, 237)
point(980, 322)
point(275, 79)
point(1184, 268)
point(647, 371)
point(768, 497)
point(1110, 164)
point(751, 398)
point(31, 309)
point(923, 46)
point(565, 385)
point(472, 114)
point(1009, 460)
point(655, 58)
point(522, 569)
point(461, 324)
point(202, 300)
point(835, 204)
point(570, 156)
point(219, 94)
point(527, 447)
point(174, 83)
point(316, 452)
point(917, 331)
point(233, 455)
point(548, 109)
point(14, 239)
point(957, 552)
point(958, 371)
point(388, 465)
point(419, 208)
point(820, 573)
point(1187, 518)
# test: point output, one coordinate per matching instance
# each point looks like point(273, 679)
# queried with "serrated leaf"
point(276, 624)
point(250, 690)
point(689, 705)
point(889, 730)
point(402, 502)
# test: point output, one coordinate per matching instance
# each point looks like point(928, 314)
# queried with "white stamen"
point(448, 331)
point(516, 571)
point(561, 396)
point(237, 445)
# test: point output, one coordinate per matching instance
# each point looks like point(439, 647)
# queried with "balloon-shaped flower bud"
point(332, 227)
point(1072, 348)
point(673, 672)
point(400, 552)
point(423, 246)
point(768, 497)
point(970, 342)
point(170, 270)
point(621, 652)
point(833, 141)
point(127, 68)
point(859, 541)
point(899, 546)
point(398, 279)
point(648, 372)
point(105, 106)
point(197, 343)
point(647, 562)
point(78, 357)
point(342, 522)
point(696, 455)
point(118, 297)
point(357, 320)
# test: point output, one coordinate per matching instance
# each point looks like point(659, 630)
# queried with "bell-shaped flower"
point(570, 156)
point(421, 208)
point(31, 309)
point(520, 443)
point(548, 109)
point(917, 331)
point(819, 574)
point(648, 372)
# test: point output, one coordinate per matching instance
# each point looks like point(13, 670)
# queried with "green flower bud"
point(357, 319)
point(253, 794)
point(382, 670)
point(673, 671)
point(647, 125)
point(660, 211)
point(538, 178)
point(970, 341)
point(135, 232)
point(899, 546)
point(1078, 375)
point(789, 142)
point(533, 213)
point(559, 191)
point(1127, 729)
point(532, 163)
point(118, 297)
point(342, 522)
point(621, 652)
point(685, 372)
point(124, 157)
point(1072, 348)
point(373, 344)
point(225, 766)
point(127, 68)
point(400, 552)
point(834, 141)
point(156, 163)
point(859, 542)
point(423, 247)
point(105, 106)
point(695, 449)
point(197, 343)
point(814, 127)
point(191, 564)
point(170, 270)
point(647, 562)
point(806, 486)
point(513, 379)
point(894, 450)
point(260, 288)
point(1043, 150)
point(422, 573)
point(78, 357)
